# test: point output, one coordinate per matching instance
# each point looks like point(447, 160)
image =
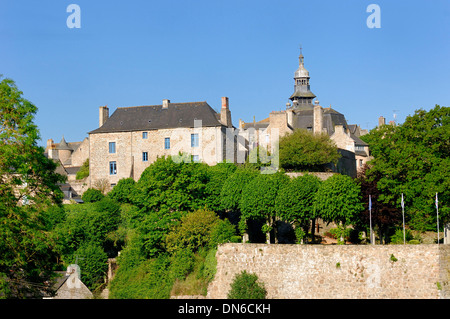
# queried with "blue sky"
point(130, 53)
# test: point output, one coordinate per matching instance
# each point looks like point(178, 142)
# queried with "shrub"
point(397, 238)
point(92, 195)
point(123, 191)
point(246, 286)
point(84, 170)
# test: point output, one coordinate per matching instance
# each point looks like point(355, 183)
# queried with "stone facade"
point(130, 146)
point(125, 144)
point(337, 271)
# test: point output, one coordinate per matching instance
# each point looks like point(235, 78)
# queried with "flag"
point(370, 202)
point(437, 202)
point(403, 203)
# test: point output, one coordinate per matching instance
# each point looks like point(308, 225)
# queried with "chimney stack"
point(225, 114)
point(165, 104)
point(103, 115)
point(318, 118)
point(381, 121)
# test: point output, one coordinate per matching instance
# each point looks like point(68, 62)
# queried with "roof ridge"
point(127, 107)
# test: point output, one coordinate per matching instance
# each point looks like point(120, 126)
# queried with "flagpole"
point(403, 213)
point(370, 219)
point(437, 214)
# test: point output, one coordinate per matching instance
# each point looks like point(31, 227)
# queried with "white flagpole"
point(437, 214)
point(370, 219)
point(403, 213)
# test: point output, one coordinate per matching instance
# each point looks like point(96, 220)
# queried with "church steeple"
point(302, 97)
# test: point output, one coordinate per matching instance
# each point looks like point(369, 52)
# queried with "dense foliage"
point(294, 203)
point(246, 286)
point(28, 187)
point(304, 151)
point(414, 159)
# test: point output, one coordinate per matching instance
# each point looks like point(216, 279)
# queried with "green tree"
point(414, 159)
point(305, 151)
point(259, 197)
point(93, 263)
point(28, 187)
point(84, 170)
point(172, 185)
point(92, 195)
point(232, 188)
point(246, 286)
point(294, 203)
point(217, 175)
point(123, 191)
point(338, 200)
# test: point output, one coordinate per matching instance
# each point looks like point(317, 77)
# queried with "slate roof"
point(305, 118)
point(154, 117)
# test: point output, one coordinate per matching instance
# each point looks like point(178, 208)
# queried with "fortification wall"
point(337, 271)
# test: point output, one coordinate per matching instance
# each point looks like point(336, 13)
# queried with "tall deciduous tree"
point(294, 203)
point(28, 186)
point(338, 200)
point(414, 159)
point(305, 151)
point(259, 197)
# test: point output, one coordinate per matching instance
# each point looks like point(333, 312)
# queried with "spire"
point(302, 97)
point(301, 58)
point(63, 145)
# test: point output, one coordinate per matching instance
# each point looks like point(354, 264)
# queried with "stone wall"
point(337, 271)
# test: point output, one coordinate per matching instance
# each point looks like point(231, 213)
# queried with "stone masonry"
point(337, 271)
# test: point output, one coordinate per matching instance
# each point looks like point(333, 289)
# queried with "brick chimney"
point(225, 114)
point(103, 115)
point(381, 121)
point(165, 104)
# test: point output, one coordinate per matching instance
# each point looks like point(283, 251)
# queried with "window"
point(112, 147)
point(112, 168)
point(167, 143)
point(360, 163)
point(195, 158)
point(145, 156)
point(194, 140)
point(144, 135)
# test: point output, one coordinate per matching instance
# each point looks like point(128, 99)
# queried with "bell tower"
point(302, 97)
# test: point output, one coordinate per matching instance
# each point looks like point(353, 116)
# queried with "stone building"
point(129, 140)
point(69, 156)
point(302, 113)
point(68, 285)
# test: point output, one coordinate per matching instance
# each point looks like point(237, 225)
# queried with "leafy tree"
point(123, 191)
point(84, 170)
point(338, 200)
point(92, 195)
point(295, 200)
point(171, 185)
point(93, 263)
point(305, 151)
point(385, 216)
point(201, 228)
point(413, 159)
point(258, 199)
point(28, 187)
point(217, 175)
point(232, 188)
point(87, 223)
point(246, 286)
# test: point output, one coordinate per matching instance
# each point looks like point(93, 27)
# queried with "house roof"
point(154, 117)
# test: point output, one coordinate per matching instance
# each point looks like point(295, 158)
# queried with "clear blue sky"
point(130, 53)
